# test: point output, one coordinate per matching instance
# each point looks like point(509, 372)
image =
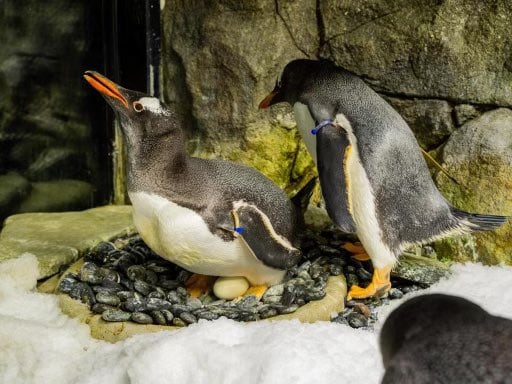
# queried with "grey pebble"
point(136, 272)
point(177, 322)
point(270, 312)
point(66, 284)
point(123, 295)
point(335, 270)
point(177, 309)
point(154, 303)
point(287, 309)
point(168, 315)
point(357, 320)
point(90, 273)
point(363, 274)
point(188, 318)
point(194, 303)
point(115, 315)
point(395, 293)
point(206, 315)
point(159, 318)
point(108, 298)
point(141, 318)
point(100, 308)
point(158, 293)
point(135, 304)
point(142, 287)
point(174, 298)
point(352, 280)
point(83, 292)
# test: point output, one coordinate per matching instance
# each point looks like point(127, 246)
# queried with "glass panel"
point(53, 140)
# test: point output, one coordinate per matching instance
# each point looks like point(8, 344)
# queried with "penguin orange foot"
point(198, 285)
point(257, 290)
point(379, 286)
point(357, 250)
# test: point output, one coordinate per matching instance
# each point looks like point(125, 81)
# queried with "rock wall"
point(440, 63)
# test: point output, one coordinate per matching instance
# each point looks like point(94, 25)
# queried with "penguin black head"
point(289, 86)
point(142, 116)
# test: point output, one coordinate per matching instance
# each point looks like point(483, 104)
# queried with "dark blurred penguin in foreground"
point(211, 217)
point(434, 339)
point(374, 178)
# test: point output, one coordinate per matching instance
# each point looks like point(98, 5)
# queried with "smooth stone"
point(188, 318)
point(230, 288)
point(141, 318)
point(106, 298)
point(177, 322)
point(357, 320)
point(395, 293)
point(100, 308)
point(419, 269)
point(115, 315)
point(159, 318)
point(58, 239)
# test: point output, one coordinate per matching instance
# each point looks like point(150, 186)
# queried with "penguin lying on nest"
point(434, 339)
point(374, 179)
point(211, 217)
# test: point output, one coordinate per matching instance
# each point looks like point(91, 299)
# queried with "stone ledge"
point(58, 239)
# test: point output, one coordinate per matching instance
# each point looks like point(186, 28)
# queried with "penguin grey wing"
point(332, 146)
point(258, 234)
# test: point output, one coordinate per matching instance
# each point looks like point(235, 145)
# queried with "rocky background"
point(445, 65)
point(49, 156)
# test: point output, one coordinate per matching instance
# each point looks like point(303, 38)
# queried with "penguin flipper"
point(332, 145)
point(258, 234)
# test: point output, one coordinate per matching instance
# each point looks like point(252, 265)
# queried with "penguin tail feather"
point(301, 198)
point(478, 222)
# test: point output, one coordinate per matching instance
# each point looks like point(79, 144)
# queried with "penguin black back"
point(445, 339)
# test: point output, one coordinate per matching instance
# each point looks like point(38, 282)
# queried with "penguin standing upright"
point(211, 217)
point(374, 179)
point(434, 339)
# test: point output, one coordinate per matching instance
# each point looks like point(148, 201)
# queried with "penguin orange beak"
point(105, 86)
point(267, 101)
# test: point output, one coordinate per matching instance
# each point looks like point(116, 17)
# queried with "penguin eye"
point(278, 83)
point(138, 106)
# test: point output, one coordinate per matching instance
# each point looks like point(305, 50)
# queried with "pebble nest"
point(124, 280)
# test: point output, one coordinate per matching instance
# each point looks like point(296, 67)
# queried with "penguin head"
point(290, 83)
point(141, 116)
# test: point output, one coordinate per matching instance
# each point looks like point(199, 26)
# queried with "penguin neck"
point(156, 159)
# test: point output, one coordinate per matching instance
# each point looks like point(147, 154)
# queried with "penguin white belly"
point(181, 236)
point(361, 202)
point(305, 124)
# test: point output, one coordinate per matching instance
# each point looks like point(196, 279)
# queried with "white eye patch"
point(153, 104)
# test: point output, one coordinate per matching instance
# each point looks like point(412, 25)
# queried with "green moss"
point(486, 189)
point(274, 149)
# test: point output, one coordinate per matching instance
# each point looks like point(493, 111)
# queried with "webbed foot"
point(358, 251)
point(378, 287)
point(256, 290)
point(198, 285)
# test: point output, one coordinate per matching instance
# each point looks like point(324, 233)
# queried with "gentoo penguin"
point(438, 339)
point(211, 217)
point(374, 179)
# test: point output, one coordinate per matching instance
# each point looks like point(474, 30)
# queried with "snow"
point(38, 344)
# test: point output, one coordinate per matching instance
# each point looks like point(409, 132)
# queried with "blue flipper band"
point(315, 130)
point(239, 230)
